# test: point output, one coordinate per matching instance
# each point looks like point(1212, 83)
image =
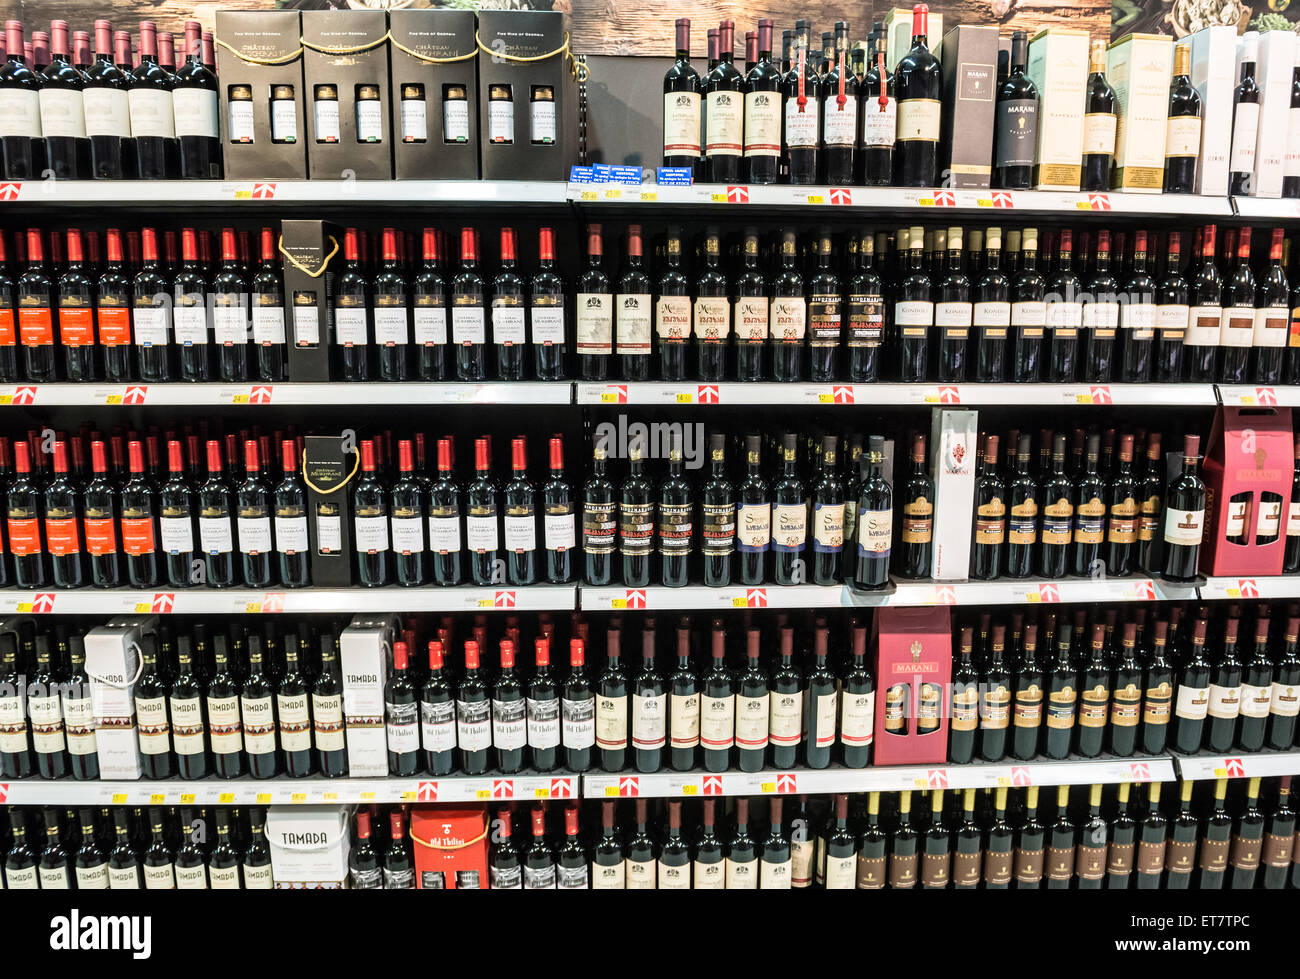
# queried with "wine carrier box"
point(113, 663)
point(898, 31)
point(344, 50)
point(1138, 67)
point(970, 75)
point(444, 58)
point(267, 36)
point(365, 651)
point(914, 676)
point(1248, 471)
point(1276, 65)
point(1058, 67)
point(1214, 76)
point(451, 847)
point(514, 34)
point(309, 846)
point(328, 466)
point(312, 249)
point(953, 437)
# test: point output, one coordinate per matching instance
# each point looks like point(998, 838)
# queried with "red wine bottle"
point(717, 707)
point(918, 82)
point(370, 522)
point(612, 708)
point(194, 100)
point(673, 314)
point(446, 553)
point(1238, 324)
point(762, 123)
point(216, 535)
point(437, 716)
point(153, 123)
point(225, 726)
point(290, 502)
point(520, 519)
point(21, 148)
point(257, 714)
point(36, 314)
point(595, 311)
point(76, 314)
point(1272, 317)
point(327, 713)
point(23, 523)
point(176, 520)
point(293, 715)
point(547, 312)
point(577, 712)
point(1184, 517)
point(63, 524)
point(482, 522)
point(681, 122)
point(473, 715)
point(351, 302)
point(402, 716)
point(429, 299)
point(391, 313)
point(509, 333)
point(724, 113)
point(253, 522)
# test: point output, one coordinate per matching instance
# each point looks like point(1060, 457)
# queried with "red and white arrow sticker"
point(842, 394)
point(945, 198)
point(561, 788)
point(636, 598)
point(1140, 771)
point(1020, 776)
point(628, 786)
point(260, 395)
point(427, 792)
point(756, 598)
point(44, 602)
point(785, 783)
point(1247, 587)
point(841, 195)
point(263, 191)
point(1099, 202)
point(503, 599)
point(1100, 395)
point(738, 195)
point(938, 778)
point(1002, 199)
point(163, 601)
point(1234, 767)
point(135, 394)
point(949, 395)
point(4, 791)
point(25, 395)
point(9, 191)
point(1266, 396)
point(945, 595)
point(616, 393)
point(1145, 591)
point(707, 394)
point(712, 785)
point(273, 601)
point(503, 788)
point(1049, 593)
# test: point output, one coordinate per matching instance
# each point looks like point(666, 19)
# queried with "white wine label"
point(542, 121)
point(685, 722)
point(92, 878)
point(192, 878)
point(785, 718)
point(1101, 316)
point(561, 532)
point(1225, 702)
point(1245, 130)
point(187, 725)
point(415, 121)
point(325, 112)
point(23, 879)
point(607, 877)
point(1293, 519)
point(509, 724)
point(681, 124)
point(1099, 134)
point(1138, 316)
point(775, 875)
point(391, 326)
point(789, 526)
point(649, 721)
point(789, 318)
point(673, 878)
point(548, 325)
point(841, 873)
point(751, 721)
point(306, 326)
point(481, 534)
point(268, 325)
point(875, 531)
point(823, 720)
point(723, 124)
point(751, 315)
point(1255, 701)
point(108, 113)
point(438, 726)
point(802, 124)
point(840, 122)
point(710, 876)
point(224, 725)
point(284, 121)
point(295, 721)
point(455, 121)
point(595, 323)
point(1171, 320)
point(712, 319)
point(634, 312)
point(291, 535)
point(407, 535)
point(717, 722)
point(611, 723)
point(501, 121)
point(190, 322)
point(444, 535)
point(1184, 526)
point(762, 123)
point(1203, 326)
point(1183, 136)
point(20, 113)
point(327, 722)
point(254, 535)
point(54, 878)
point(151, 113)
point(474, 725)
point(224, 878)
point(992, 314)
point(1271, 324)
point(195, 112)
point(956, 315)
point(430, 326)
point(1064, 316)
point(578, 723)
point(371, 534)
point(1285, 701)
point(259, 725)
point(828, 527)
point(508, 325)
point(673, 318)
point(543, 724)
point(350, 327)
point(1270, 518)
point(879, 122)
point(123, 878)
point(1193, 702)
point(159, 878)
point(913, 313)
point(641, 874)
point(243, 129)
point(754, 527)
point(258, 878)
point(62, 113)
point(216, 536)
point(229, 320)
point(742, 875)
point(857, 718)
point(1030, 314)
point(918, 119)
point(521, 533)
point(79, 719)
point(468, 325)
point(1237, 326)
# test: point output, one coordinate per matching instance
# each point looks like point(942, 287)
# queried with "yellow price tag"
point(367, 797)
point(984, 202)
point(1247, 399)
point(243, 195)
point(690, 790)
point(1234, 592)
point(683, 397)
point(590, 195)
point(485, 603)
point(483, 794)
point(768, 787)
point(1083, 205)
point(816, 199)
point(264, 798)
point(925, 202)
point(332, 796)
point(1004, 782)
point(614, 194)
point(119, 798)
point(226, 798)
point(187, 799)
point(1033, 596)
point(608, 397)
point(6, 399)
point(920, 783)
point(408, 796)
point(113, 399)
point(719, 198)
point(239, 399)
point(298, 797)
point(157, 798)
point(618, 603)
point(253, 607)
point(649, 195)
point(1220, 773)
point(24, 607)
point(542, 793)
point(611, 790)
point(826, 399)
point(1083, 399)
point(142, 608)
point(931, 399)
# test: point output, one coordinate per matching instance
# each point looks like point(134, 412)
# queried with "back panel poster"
point(1182, 17)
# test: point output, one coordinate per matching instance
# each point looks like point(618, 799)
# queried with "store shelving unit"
point(1257, 764)
point(253, 394)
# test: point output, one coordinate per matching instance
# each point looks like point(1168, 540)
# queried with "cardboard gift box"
point(259, 67)
point(434, 69)
point(1214, 76)
point(311, 253)
point(365, 655)
point(1247, 471)
point(309, 846)
point(328, 467)
point(1058, 67)
point(914, 674)
point(954, 437)
point(451, 847)
point(113, 665)
point(970, 76)
point(1139, 67)
point(345, 69)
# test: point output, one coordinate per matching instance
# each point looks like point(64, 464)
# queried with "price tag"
point(408, 796)
point(816, 199)
point(264, 798)
point(366, 796)
point(683, 397)
point(609, 397)
point(119, 798)
point(6, 399)
point(226, 798)
point(719, 198)
point(298, 797)
point(542, 793)
point(483, 794)
point(614, 194)
point(984, 202)
point(239, 399)
point(157, 798)
point(1083, 205)
point(1234, 592)
point(243, 195)
point(113, 399)
point(690, 790)
point(649, 195)
point(920, 783)
point(589, 195)
point(187, 798)
point(611, 790)
point(767, 787)
point(826, 399)
point(253, 607)
point(925, 202)
point(24, 608)
point(740, 601)
point(618, 603)
point(485, 603)
point(1083, 399)
point(334, 796)
point(142, 608)
point(1004, 782)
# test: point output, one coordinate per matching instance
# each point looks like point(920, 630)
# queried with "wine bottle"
point(636, 518)
point(1237, 328)
point(327, 713)
point(718, 509)
point(822, 694)
point(1157, 697)
point(36, 292)
point(1285, 701)
point(789, 517)
point(76, 314)
point(21, 146)
point(370, 522)
point(153, 120)
point(801, 132)
point(995, 701)
point(724, 112)
point(649, 709)
point(390, 311)
point(578, 712)
point(712, 313)
point(991, 312)
point(23, 523)
point(1215, 841)
point(509, 714)
point(446, 553)
point(1090, 847)
point(879, 118)
point(429, 313)
point(681, 122)
point(1099, 123)
point(509, 334)
point(775, 862)
point(595, 326)
point(520, 519)
point(965, 702)
point(762, 122)
point(257, 715)
point(438, 715)
point(1183, 126)
point(1016, 139)
point(752, 313)
point(63, 525)
point(482, 527)
point(1247, 841)
point(641, 863)
point(684, 708)
point(1088, 499)
point(225, 726)
point(788, 316)
point(990, 515)
point(1064, 315)
point(546, 313)
point(253, 522)
point(1204, 321)
point(827, 499)
point(1062, 699)
point(1028, 312)
point(1279, 838)
point(600, 524)
point(875, 521)
point(1272, 317)
point(633, 308)
point(717, 707)
point(99, 511)
point(1245, 119)
point(558, 529)
point(914, 313)
point(918, 84)
point(840, 113)
point(608, 870)
point(468, 319)
point(473, 715)
point(611, 708)
point(1184, 517)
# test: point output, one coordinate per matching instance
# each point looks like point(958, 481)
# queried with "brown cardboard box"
point(346, 54)
point(271, 39)
point(970, 69)
point(446, 37)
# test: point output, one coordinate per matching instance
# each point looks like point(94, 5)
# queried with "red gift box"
point(914, 673)
point(1247, 472)
point(451, 848)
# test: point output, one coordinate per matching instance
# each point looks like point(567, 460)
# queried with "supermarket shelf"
point(1080, 771)
point(220, 195)
point(289, 791)
point(1250, 396)
point(1267, 208)
point(905, 593)
point(213, 601)
point(337, 393)
point(1259, 764)
point(771, 393)
point(922, 201)
point(1264, 587)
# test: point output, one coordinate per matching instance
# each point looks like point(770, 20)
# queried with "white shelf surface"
point(988, 203)
point(1080, 771)
point(239, 601)
point(1259, 764)
point(1270, 208)
point(289, 791)
point(845, 393)
point(1259, 396)
point(223, 193)
point(179, 394)
point(1262, 587)
point(906, 594)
